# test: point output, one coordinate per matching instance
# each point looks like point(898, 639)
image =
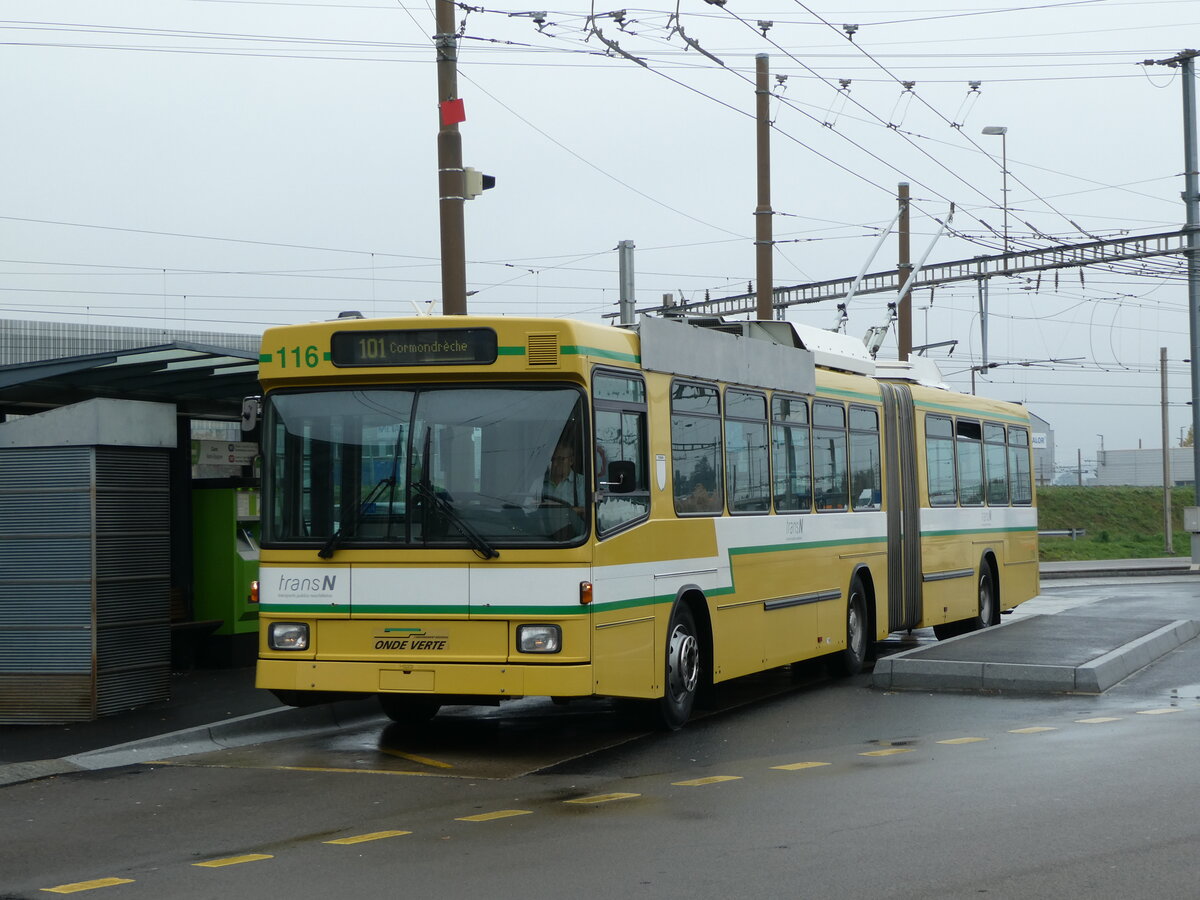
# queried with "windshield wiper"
point(477, 541)
point(365, 504)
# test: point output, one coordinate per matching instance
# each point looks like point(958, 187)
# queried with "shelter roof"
point(203, 381)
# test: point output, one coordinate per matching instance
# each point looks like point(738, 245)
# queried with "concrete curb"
point(15, 773)
point(1103, 672)
point(255, 728)
point(908, 670)
point(1115, 572)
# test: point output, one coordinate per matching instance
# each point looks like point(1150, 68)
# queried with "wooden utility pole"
point(1166, 456)
point(451, 185)
point(1185, 61)
point(764, 242)
point(904, 268)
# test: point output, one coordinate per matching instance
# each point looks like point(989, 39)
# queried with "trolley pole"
point(451, 185)
point(764, 240)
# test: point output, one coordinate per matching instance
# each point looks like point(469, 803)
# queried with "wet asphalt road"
point(796, 788)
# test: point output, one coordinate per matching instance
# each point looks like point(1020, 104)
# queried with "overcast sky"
point(233, 164)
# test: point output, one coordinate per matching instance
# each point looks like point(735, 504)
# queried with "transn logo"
point(292, 585)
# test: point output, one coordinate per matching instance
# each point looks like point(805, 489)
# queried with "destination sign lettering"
point(417, 347)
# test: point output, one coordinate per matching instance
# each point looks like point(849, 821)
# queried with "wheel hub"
point(854, 629)
point(683, 662)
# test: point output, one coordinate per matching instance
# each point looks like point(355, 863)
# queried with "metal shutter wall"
point(84, 581)
point(47, 618)
point(133, 560)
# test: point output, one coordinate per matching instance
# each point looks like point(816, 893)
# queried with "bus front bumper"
point(461, 679)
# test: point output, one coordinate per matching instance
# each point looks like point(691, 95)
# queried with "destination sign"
point(416, 347)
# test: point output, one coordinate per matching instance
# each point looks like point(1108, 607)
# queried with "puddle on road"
point(518, 738)
point(461, 742)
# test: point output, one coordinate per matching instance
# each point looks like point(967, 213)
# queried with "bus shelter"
point(98, 548)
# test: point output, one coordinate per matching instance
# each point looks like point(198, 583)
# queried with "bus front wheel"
point(682, 676)
point(409, 709)
point(851, 660)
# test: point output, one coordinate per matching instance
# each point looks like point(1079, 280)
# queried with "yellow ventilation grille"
point(542, 350)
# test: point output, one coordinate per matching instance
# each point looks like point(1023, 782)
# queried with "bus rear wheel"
point(987, 614)
point(409, 709)
point(987, 609)
point(851, 660)
point(682, 676)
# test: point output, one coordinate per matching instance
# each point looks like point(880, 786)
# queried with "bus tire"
point(947, 630)
point(988, 612)
point(987, 608)
point(409, 709)
point(681, 679)
point(851, 660)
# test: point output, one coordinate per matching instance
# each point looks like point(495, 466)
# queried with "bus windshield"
point(481, 467)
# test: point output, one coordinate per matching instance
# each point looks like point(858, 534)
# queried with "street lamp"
point(1002, 131)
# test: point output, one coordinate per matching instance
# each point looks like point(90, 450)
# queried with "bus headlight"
point(539, 638)
point(287, 636)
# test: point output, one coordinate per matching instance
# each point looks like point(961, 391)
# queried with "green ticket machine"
point(224, 564)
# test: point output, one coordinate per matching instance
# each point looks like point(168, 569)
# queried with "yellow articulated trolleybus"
point(469, 509)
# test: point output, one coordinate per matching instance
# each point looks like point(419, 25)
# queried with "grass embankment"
point(1121, 522)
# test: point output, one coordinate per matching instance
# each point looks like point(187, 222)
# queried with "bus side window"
point(747, 475)
point(995, 458)
point(621, 468)
point(970, 463)
point(865, 478)
point(1019, 471)
point(696, 448)
point(830, 474)
point(791, 456)
point(939, 460)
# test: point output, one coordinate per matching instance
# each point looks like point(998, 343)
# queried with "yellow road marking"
point(603, 798)
point(966, 740)
point(1158, 712)
point(498, 814)
point(792, 767)
point(711, 779)
point(373, 836)
point(87, 885)
point(233, 860)
point(423, 760)
point(1032, 729)
point(346, 771)
point(1099, 720)
point(890, 751)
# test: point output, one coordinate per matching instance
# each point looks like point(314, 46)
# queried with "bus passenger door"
point(903, 508)
point(623, 619)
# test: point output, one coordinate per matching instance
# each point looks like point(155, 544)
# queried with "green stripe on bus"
point(972, 413)
point(510, 351)
point(302, 609)
point(806, 545)
point(957, 532)
point(853, 395)
point(581, 350)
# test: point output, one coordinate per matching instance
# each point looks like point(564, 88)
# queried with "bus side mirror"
point(251, 410)
point(621, 477)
